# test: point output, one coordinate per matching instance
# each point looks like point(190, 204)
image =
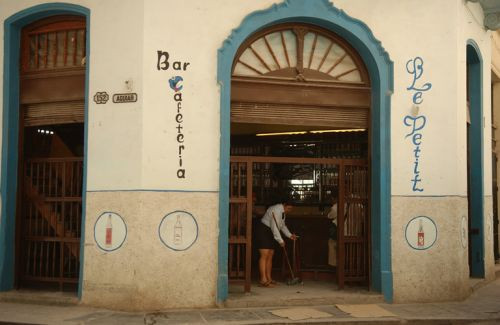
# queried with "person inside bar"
point(268, 238)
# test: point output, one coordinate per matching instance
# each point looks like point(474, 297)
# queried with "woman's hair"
point(286, 200)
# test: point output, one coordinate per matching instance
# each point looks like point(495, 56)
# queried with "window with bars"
point(53, 44)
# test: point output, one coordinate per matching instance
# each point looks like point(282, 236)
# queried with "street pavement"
point(482, 307)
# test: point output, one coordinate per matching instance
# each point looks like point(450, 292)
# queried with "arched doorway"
point(43, 144)
point(380, 69)
point(475, 160)
point(300, 109)
point(52, 94)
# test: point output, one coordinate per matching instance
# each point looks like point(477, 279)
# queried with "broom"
point(293, 280)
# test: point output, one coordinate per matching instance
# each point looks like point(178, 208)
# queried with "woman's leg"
point(264, 253)
point(269, 265)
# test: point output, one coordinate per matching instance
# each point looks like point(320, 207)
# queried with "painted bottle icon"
point(420, 234)
point(178, 231)
point(109, 232)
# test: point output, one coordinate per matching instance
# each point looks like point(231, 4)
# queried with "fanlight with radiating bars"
point(300, 52)
point(297, 75)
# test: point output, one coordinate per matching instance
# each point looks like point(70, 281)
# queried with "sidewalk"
point(482, 307)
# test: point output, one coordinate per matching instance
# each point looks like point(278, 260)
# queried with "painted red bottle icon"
point(420, 234)
point(109, 232)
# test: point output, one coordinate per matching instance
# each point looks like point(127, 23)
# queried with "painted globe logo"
point(175, 83)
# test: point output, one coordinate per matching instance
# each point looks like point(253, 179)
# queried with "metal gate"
point(51, 220)
point(351, 176)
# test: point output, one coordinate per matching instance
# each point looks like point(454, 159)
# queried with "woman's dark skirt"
point(264, 238)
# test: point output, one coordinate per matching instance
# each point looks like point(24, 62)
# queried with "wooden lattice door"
point(353, 224)
point(51, 220)
point(240, 222)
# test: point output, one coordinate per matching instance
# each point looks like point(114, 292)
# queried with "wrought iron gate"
point(51, 220)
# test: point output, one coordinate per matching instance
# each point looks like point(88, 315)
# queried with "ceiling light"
point(314, 132)
point(341, 130)
point(280, 133)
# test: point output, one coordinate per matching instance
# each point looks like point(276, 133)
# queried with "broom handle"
point(284, 250)
point(294, 257)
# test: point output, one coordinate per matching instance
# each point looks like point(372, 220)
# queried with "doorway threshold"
point(39, 297)
point(310, 293)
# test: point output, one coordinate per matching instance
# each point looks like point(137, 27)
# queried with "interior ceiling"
point(254, 128)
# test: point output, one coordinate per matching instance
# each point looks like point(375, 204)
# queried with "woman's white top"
point(279, 215)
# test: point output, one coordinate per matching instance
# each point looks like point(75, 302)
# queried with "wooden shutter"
point(54, 113)
point(333, 117)
point(324, 104)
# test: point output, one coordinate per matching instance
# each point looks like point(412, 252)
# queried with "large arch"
point(380, 68)
point(10, 129)
point(475, 87)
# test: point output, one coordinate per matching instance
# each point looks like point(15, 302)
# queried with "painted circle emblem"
point(421, 233)
point(178, 230)
point(110, 231)
point(463, 232)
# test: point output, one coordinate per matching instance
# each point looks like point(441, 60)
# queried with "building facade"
point(121, 121)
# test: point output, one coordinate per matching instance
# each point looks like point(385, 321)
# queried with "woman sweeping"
point(268, 238)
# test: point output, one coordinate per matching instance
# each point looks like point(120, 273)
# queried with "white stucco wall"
point(414, 29)
point(115, 130)
point(133, 152)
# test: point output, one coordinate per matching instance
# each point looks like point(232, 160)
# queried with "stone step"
point(40, 297)
point(312, 293)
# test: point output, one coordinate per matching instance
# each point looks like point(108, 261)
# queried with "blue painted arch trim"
point(10, 129)
point(476, 150)
point(380, 67)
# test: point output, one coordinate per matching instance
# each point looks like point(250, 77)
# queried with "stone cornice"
point(491, 9)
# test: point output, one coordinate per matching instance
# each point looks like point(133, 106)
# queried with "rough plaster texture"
point(496, 114)
point(144, 274)
point(441, 272)
point(489, 256)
